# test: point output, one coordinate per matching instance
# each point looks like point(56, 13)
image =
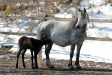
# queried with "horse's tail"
point(40, 22)
point(38, 31)
point(45, 18)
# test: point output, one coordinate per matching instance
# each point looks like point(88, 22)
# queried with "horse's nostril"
point(78, 27)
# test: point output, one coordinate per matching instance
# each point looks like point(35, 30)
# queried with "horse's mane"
point(73, 22)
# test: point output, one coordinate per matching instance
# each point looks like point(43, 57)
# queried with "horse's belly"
point(62, 42)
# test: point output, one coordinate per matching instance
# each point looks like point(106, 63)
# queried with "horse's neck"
point(84, 27)
point(72, 23)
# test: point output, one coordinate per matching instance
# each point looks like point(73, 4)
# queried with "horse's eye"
point(83, 17)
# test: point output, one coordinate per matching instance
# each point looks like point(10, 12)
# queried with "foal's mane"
point(73, 22)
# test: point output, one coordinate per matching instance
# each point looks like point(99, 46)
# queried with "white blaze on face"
point(82, 18)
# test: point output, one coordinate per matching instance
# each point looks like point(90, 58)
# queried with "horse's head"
point(82, 18)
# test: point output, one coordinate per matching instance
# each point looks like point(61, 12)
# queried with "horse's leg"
point(18, 57)
point(77, 56)
point(47, 51)
point(71, 56)
point(23, 57)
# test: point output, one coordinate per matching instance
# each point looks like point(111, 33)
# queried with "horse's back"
point(45, 29)
point(55, 31)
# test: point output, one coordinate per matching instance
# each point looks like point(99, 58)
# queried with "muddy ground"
point(8, 66)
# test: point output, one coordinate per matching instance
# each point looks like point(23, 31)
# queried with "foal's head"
point(82, 18)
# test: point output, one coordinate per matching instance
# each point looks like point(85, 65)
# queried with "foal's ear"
point(84, 10)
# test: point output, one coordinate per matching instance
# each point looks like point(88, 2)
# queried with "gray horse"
point(64, 34)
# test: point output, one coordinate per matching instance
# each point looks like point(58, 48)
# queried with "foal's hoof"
point(16, 66)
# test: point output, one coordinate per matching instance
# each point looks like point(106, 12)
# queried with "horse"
point(64, 34)
point(32, 44)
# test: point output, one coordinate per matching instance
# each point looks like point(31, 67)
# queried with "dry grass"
point(90, 6)
point(7, 24)
point(106, 35)
point(98, 11)
point(109, 1)
point(48, 9)
point(5, 49)
point(19, 29)
point(106, 2)
point(30, 29)
point(92, 26)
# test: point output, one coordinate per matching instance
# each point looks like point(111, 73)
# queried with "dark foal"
point(32, 44)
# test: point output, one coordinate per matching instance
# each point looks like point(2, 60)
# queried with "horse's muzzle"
point(78, 27)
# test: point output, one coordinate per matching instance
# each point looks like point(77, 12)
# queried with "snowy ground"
point(98, 51)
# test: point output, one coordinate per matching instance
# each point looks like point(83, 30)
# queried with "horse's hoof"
point(34, 67)
point(71, 68)
point(51, 67)
point(78, 68)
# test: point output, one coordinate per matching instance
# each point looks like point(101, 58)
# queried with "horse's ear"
point(84, 10)
point(79, 10)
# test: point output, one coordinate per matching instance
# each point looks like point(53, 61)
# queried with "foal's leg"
point(20, 49)
point(23, 57)
point(36, 51)
point(47, 51)
point(32, 58)
point(77, 56)
point(71, 56)
point(35, 60)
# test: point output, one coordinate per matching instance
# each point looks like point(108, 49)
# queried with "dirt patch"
point(8, 67)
